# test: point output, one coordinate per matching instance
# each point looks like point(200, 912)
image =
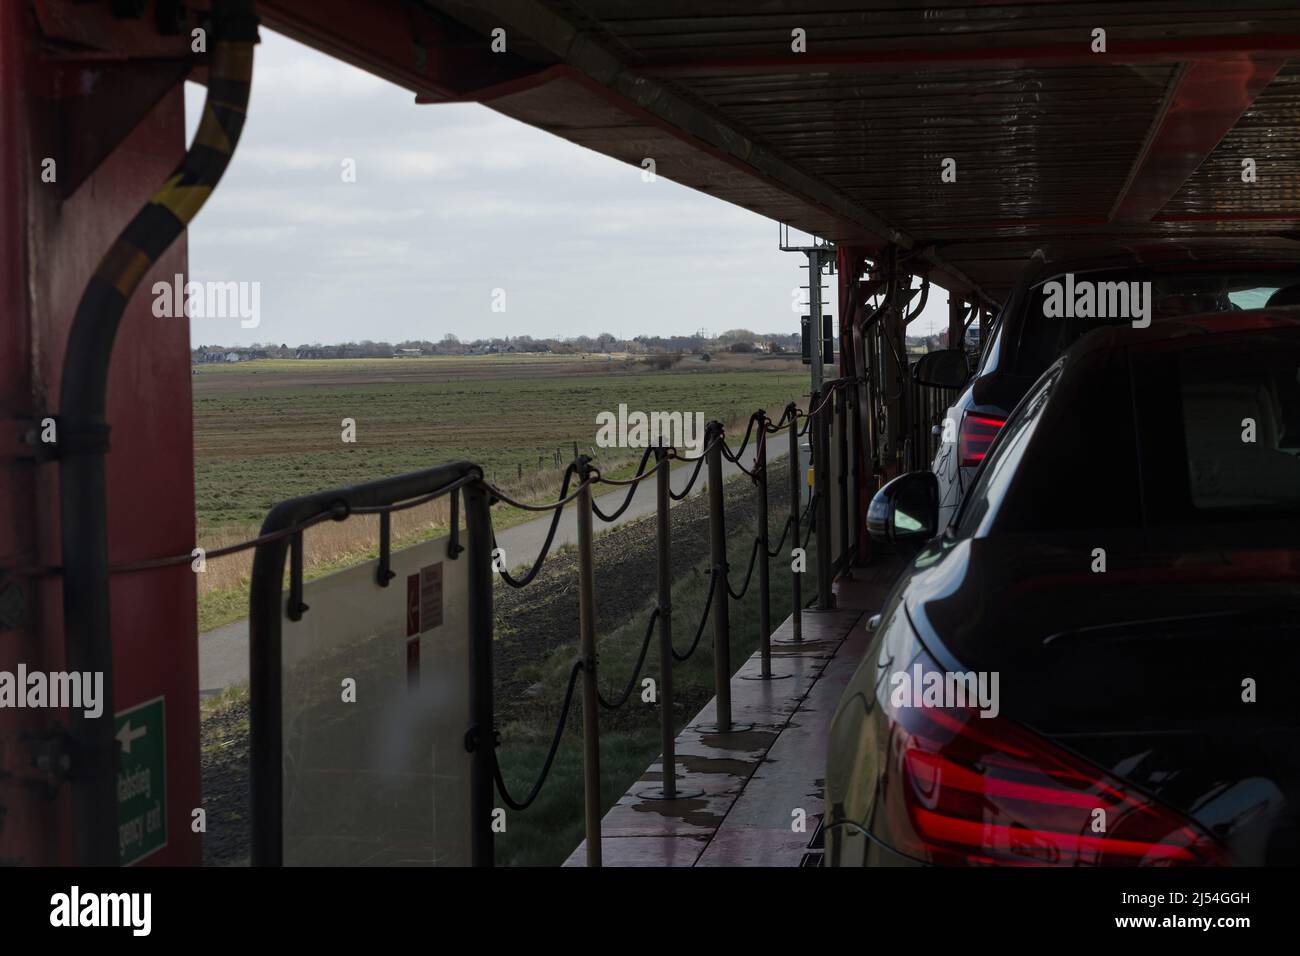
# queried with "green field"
point(269, 430)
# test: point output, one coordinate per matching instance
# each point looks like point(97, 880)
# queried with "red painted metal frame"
point(1208, 98)
point(49, 246)
point(412, 46)
point(990, 56)
point(849, 263)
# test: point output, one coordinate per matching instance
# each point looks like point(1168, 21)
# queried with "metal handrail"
point(285, 521)
point(281, 540)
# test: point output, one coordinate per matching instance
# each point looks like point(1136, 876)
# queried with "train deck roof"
point(1052, 141)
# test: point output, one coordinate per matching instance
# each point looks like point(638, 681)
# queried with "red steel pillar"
point(49, 245)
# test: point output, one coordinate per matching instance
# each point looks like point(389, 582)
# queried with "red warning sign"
point(424, 599)
point(431, 597)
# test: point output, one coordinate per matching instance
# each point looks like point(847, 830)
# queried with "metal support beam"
point(815, 316)
point(821, 431)
point(1204, 102)
point(956, 321)
point(1119, 52)
point(407, 44)
point(541, 27)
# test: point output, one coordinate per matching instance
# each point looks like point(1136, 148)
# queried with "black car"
point(1095, 664)
point(1187, 277)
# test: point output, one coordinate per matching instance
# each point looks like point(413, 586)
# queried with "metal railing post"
point(482, 785)
point(718, 557)
point(796, 487)
point(590, 694)
point(842, 442)
point(822, 513)
point(663, 540)
point(764, 592)
point(854, 424)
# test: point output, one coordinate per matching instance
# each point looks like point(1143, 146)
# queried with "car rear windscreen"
point(1058, 315)
point(1220, 428)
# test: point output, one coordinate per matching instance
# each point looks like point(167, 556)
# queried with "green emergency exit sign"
point(142, 780)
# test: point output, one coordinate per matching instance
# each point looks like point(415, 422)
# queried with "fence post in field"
point(796, 484)
point(713, 436)
point(764, 592)
point(590, 694)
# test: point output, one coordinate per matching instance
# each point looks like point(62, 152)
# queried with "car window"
point(1045, 334)
point(991, 352)
point(1220, 429)
point(994, 477)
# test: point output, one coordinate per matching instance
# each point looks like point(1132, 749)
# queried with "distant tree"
point(736, 335)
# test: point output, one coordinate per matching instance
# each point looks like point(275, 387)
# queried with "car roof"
point(1192, 253)
point(1187, 330)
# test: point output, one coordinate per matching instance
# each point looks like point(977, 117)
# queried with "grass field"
point(269, 430)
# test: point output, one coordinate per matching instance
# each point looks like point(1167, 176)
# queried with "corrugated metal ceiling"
point(1050, 139)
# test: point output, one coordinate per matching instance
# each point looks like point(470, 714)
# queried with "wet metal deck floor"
point(754, 782)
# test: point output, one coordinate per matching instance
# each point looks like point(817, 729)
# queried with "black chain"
point(550, 756)
point(636, 671)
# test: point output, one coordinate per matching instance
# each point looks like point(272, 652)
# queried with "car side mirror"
point(905, 513)
point(945, 368)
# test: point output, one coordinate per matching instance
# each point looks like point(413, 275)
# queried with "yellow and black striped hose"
point(82, 432)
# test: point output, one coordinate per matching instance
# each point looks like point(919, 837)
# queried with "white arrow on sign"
point(126, 736)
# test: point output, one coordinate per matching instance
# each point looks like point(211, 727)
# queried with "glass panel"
point(379, 776)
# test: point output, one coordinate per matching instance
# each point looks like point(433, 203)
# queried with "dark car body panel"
point(1171, 664)
point(1140, 669)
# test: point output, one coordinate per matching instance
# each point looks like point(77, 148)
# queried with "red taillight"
point(976, 434)
point(966, 790)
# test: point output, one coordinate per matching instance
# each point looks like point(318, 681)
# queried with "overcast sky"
point(451, 202)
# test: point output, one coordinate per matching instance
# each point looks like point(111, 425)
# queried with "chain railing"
point(280, 543)
point(828, 408)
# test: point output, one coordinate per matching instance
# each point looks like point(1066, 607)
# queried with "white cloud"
point(451, 201)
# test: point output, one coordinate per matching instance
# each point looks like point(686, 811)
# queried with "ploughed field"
point(272, 429)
